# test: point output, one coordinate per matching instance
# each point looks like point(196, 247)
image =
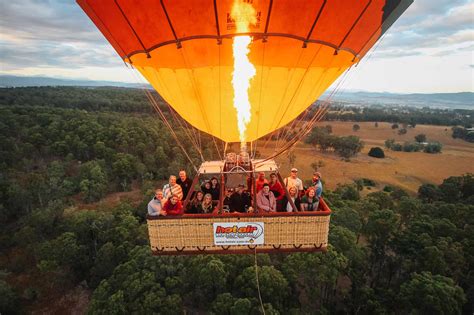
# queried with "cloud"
point(431, 25)
point(57, 21)
point(51, 34)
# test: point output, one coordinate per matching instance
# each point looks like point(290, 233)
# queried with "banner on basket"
point(239, 233)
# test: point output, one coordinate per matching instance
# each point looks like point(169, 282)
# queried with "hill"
point(463, 100)
point(23, 81)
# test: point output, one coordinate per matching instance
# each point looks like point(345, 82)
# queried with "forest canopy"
point(390, 252)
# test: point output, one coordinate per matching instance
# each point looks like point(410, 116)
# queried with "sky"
point(430, 49)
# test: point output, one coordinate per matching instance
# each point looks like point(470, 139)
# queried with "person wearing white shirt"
point(294, 181)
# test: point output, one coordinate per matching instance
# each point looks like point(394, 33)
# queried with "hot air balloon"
point(239, 70)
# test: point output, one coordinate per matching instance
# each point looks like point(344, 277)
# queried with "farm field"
point(407, 170)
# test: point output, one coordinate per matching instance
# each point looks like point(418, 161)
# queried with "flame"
point(243, 14)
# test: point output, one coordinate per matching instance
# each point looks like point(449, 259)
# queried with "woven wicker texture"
point(193, 234)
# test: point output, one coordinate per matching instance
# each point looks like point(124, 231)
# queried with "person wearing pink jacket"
point(266, 201)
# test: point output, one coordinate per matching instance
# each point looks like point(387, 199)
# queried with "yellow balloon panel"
point(196, 80)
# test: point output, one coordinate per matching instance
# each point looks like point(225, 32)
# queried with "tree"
point(451, 189)
point(313, 278)
point(459, 132)
point(317, 165)
point(124, 169)
point(208, 277)
point(396, 147)
point(395, 126)
point(94, 181)
point(273, 285)
point(376, 152)
point(348, 192)
point(348, 218)
point(389, 143)
point(355, 127)
point(433, 147)
point(425, 293)
point(328, 129)
point(420, 138)
point(376, 124)
point(402, 131)
point(411, 146)
point(348, 146)
point(291, 158)
point(429, 192)
point(8, 299)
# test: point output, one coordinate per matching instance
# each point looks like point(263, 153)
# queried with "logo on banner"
point(241, 233)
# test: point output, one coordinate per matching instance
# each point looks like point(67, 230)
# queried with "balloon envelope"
point(299, 48)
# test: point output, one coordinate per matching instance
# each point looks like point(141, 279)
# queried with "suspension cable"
point(163, 117)
point(157, 108)
point(171, 110)
point(258, 282)
point(320, 112)
point(198, 97)
point(298, 87)
point(285, 91)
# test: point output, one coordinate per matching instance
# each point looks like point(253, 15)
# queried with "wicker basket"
point(284, 232)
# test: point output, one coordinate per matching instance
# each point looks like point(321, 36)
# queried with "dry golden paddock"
point(407, 170)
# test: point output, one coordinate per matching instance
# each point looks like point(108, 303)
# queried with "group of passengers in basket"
point(270, 197)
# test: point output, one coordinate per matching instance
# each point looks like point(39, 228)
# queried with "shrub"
point(396, 147)
point(395, 126)
point(433, 147)
point(356, 127)
point(389, 143)
point(368, 182)
point(402, 131)
point(364, 182)
point(412, 147)
point(348, 192)
point(458, 132)
point(388, 188)
point(348, 146)
point(420, 138)
point(376, 152)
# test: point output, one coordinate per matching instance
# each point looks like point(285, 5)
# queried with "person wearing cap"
point(266, 201)
point(240, 200)
point(316, 183)
point(260, 181)
point(294, 181)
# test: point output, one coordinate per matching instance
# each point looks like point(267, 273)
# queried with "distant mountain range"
point(463, 100)
point(20, 81)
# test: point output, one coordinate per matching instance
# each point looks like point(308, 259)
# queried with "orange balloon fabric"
point(299, 48)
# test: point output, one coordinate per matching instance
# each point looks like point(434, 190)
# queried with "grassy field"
point(407, 170)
